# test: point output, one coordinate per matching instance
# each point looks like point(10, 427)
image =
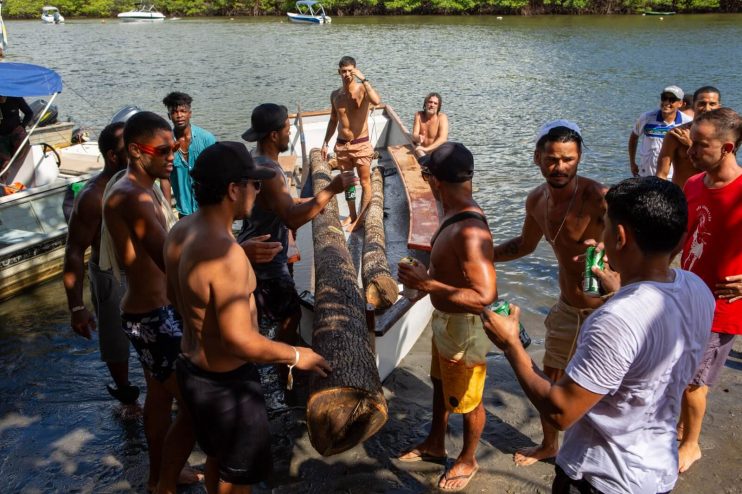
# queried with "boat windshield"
point(310, 7)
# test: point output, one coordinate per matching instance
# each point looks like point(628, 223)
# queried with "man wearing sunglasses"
point(652, 127)
point(136, 219)
point(193, 139)
point(275, 213)
point(212, 283)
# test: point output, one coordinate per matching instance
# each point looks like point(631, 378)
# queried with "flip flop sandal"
point(457, 477)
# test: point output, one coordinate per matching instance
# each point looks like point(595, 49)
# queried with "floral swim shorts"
point(156, 337)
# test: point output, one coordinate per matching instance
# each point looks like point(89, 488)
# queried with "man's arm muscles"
point(633, 141)
point(664, 160)
point(416, 129)
point(562, 403)
point(83, 227)
point(371, 94)
point(521, 245)
point(167, 190)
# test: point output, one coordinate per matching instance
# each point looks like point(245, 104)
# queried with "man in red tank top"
point(713, 251)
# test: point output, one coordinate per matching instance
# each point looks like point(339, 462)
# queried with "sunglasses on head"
point(161, 151)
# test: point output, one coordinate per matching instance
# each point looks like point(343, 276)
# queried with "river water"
point(500, 80)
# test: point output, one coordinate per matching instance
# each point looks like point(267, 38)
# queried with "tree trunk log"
point(348, 406)
point(381, 289)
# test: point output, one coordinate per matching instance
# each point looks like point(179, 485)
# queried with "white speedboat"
point(309, 12)
point(33, 230)
point(145, 12)
point(51, 15)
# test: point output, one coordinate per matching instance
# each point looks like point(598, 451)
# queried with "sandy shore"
point(511, 423)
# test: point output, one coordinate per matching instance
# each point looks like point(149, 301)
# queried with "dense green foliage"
point(107, 8)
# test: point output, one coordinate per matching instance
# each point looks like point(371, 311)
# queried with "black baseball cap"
point(451, 162)
point(226, 162)
point(265, 119)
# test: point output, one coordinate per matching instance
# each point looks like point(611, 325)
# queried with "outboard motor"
point(48, 118)
point(125, 113)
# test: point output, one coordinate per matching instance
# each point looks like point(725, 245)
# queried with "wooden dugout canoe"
point(407, 229)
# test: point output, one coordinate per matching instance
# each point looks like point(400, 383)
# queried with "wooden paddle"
point(303, 141)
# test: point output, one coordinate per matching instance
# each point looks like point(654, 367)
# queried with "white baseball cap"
point(674, 90)
point(557, 123)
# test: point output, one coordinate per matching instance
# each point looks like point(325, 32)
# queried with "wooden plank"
point(423, 209)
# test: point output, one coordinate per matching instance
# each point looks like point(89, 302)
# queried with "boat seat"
point(423, 209)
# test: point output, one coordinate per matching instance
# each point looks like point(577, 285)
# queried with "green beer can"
point(590, 283)
point(502, 307)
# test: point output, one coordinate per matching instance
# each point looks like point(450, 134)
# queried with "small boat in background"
point(652, 12)
point(51, 15)
point(309, 12)
point(145, 12)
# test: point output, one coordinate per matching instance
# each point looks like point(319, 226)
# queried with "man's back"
point(199, 257)
point(639, 350)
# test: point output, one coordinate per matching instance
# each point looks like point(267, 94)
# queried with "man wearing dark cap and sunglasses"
point(136, 219)
point(275, 213)
point(652, 127)
point(211, 282)
point(567, 210)
point(461, 283)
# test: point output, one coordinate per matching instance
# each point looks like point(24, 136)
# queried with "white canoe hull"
point(309, 19)
point(141, 16)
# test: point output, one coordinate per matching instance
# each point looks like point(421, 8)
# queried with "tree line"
point(184, 8)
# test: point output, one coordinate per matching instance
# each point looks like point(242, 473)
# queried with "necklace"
point(546, 214)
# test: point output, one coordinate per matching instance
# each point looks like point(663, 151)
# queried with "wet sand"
point(59, 431)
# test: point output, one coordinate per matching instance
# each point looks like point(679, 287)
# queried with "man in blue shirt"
point(193, 140)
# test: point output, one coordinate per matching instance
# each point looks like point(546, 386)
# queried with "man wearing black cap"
point(274, 214)
point(461, 282)
point(211, 282)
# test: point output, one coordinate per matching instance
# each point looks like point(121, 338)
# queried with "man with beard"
point(193, 139)
point(568, 209)
point(430, 128)
point(106, 291)
point(674, 153)
point(652, 126)
point(349, 116)
point(136, 219)
point(274, 214)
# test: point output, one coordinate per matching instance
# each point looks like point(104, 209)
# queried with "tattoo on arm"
point(509, 248)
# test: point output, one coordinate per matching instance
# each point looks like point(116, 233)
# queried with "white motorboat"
point(51, 15)
point(145, 12)
point(309, 12)
point(33, 230)
point(408, 230)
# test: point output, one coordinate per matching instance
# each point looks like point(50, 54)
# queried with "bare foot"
point(457, 477)
point(529, 456)
point(190, 475)
point(688, 454)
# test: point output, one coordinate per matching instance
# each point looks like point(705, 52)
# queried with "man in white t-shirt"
point(619, 399)
point(652, 127)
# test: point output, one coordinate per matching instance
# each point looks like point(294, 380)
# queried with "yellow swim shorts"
point(460, 346)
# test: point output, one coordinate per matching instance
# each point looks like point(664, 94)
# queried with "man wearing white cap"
point(567, 210)
point(652, 127)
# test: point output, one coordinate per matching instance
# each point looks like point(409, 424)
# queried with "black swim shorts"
point(156, 338)
point(229, 418)
point(276, 299)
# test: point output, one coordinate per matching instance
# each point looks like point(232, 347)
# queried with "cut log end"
point(340, 418)
point(382, 292)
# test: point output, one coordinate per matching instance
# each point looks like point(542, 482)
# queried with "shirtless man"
point(675, 146)
point(461, 282)
point(211, 282)
point(567, 210)
point(106, 291)
point(430, 128)
point(136, 219)
point(350, 107)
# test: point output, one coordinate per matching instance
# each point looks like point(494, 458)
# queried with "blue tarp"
point(23, 79)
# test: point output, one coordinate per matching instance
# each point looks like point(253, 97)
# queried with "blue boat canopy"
point(23, 79)
point(308, 3)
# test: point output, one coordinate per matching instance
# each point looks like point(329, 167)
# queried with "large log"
point(381, 289)
point(347, 407)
